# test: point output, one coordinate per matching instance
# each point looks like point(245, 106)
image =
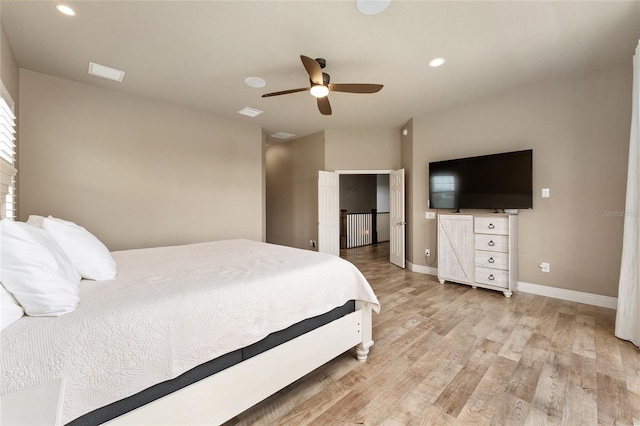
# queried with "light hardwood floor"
point(449, 354)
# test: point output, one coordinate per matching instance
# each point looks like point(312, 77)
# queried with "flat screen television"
point(497, 181)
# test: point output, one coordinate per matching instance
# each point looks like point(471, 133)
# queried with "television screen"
point(498, 181)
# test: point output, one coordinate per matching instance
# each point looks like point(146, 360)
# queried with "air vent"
point(250, 112)
point(282, 135)
point(106, 72)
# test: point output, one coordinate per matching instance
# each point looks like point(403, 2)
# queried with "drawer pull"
point(491, 277)
point(491, 243)
point(491, 260)
point(491, 226)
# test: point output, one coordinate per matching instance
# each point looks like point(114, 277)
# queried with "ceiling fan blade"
point(324, 106)
point(284, 92)
point(356, 88)
point(313, 69)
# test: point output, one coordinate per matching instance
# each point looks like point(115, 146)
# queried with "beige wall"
point(292, 175)
point(292, 190)
point(134, 172)
point(578, 128)
point(8, 66)
point(362, 149)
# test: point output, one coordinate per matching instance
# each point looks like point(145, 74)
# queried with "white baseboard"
point(543, 290)
point(422, 269)
point(571, 295)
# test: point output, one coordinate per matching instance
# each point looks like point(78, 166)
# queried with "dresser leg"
point(507, 293)
point(441, 280)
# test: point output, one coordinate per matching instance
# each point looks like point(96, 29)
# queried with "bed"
point(171, 310)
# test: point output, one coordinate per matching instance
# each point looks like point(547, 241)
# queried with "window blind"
point(7, 132)
point(8, 153)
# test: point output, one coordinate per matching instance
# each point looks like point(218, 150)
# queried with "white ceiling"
point(197, 54)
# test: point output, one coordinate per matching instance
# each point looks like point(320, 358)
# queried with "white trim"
point(571, 295)
point(363, 172)
point(543, 290)
point(5, 94)
point(421, 269)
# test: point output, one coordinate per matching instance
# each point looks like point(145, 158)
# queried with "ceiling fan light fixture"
point(319, 91)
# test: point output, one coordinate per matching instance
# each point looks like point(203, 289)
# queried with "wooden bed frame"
point(220, 397)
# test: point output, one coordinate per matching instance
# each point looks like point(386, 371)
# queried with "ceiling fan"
point(320, 86)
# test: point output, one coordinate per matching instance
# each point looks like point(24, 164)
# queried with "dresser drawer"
point(492, 242)
point(496, 277)
point(491, 225)
point(492, 259)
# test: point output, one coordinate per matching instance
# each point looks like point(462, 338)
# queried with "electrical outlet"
point(430, 215)
point(544, 266)
point(312, 243)
point(427, 252)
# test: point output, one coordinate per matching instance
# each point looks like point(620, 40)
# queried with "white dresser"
point(479, 250)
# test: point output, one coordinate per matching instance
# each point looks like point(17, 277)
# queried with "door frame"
point(364, 172)
point(368, 172)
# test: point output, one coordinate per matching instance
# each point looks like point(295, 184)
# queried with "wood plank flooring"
point(452, 355)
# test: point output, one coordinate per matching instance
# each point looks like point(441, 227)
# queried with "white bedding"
point(170, 309)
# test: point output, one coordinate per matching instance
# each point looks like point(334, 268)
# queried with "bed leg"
point(362, 349)
point(362, 353)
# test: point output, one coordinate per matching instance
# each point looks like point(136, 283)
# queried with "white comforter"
point(170, 309)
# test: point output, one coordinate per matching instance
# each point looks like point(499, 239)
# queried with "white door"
point(397, 218)
point(328, 213)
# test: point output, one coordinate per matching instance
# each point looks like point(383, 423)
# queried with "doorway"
point(364, 209)
point(329, 212)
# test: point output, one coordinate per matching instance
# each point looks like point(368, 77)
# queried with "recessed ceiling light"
point(372, 7)
point(282, 135)
point(250, 112)
point(105, 72)
point(436, 62)
point(254, 82)
point(66, 10)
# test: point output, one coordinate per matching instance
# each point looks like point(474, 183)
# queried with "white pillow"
point(36, 270)
point(88, 255)
point(35, 220)
point(10, 310)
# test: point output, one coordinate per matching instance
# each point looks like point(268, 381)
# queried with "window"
point(7, 155)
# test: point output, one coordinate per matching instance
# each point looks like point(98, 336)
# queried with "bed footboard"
point(228, 393)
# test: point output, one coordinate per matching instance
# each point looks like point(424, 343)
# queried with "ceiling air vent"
point(282, 135)
point(250, 112)
point(106, 72)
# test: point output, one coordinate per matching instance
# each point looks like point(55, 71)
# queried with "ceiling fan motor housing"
point(322, 62)
point(325, 80)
